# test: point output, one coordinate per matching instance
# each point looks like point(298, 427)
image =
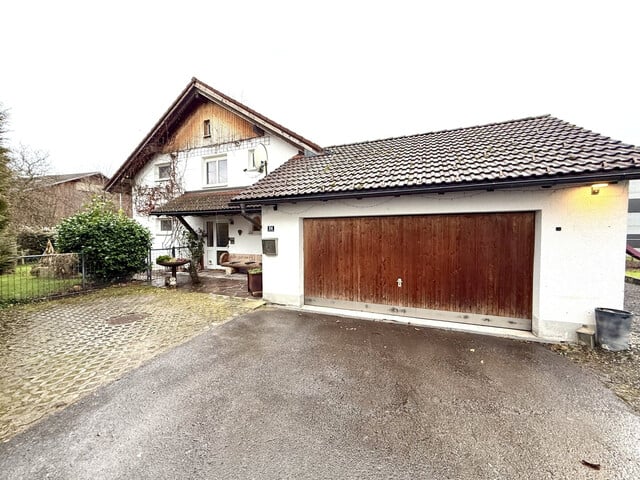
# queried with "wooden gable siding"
point(474, 263)
point(224, 126)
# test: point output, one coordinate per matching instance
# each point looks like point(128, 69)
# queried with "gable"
point(181, 127)
point(224, 127)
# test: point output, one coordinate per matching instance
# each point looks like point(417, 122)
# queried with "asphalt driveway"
point(279, 394)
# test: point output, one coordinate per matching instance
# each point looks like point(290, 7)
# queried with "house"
point(515, 228)
point(633, 228)
point(202, 152)
point(45, 200)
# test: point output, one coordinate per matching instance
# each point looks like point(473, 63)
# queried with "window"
point(252, 160)
point(206, 128)
point(163, 172)
point(216, 171)
point(166, 225)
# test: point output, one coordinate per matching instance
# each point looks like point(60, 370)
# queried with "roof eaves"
point(585, 178)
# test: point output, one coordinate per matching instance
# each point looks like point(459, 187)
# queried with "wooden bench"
point(240, 262)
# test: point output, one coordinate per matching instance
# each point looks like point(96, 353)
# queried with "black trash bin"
point(613, 328)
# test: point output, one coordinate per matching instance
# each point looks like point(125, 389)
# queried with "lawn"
point(21, 285)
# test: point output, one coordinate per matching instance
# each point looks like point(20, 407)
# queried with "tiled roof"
point(201, 202)
point(517, 152)
point(49, 180)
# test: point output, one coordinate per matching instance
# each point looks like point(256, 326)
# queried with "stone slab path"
point(52, 353)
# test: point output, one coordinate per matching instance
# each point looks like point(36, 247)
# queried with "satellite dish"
point(260, 157)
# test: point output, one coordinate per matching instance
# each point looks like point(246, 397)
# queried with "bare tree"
point(28, 206)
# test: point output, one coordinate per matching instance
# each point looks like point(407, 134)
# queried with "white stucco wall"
point(576, 269)
point(190, 171)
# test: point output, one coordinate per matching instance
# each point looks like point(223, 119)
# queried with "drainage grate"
point(126, 318)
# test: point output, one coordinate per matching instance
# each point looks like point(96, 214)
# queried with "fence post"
point(149, 267)
point(84, 273)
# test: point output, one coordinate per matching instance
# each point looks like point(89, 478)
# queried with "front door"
point(217, 242)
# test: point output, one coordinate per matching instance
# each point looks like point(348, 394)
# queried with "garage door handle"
point(399, 282)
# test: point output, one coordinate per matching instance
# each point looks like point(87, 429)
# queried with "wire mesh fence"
point(34, 277)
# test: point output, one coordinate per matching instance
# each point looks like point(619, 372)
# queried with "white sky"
point(86, 81)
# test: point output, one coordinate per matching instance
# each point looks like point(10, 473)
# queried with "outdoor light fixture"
point(595, 188)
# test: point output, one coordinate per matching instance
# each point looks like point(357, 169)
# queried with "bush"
point(34, 241)
point(7, 254)
point(115, 246)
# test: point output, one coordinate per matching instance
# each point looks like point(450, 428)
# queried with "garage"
point(472, 268)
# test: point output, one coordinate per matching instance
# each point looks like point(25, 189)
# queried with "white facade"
point(579, 258)
point(234, 160)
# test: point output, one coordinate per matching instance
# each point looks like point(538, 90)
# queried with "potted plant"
point(254, 282)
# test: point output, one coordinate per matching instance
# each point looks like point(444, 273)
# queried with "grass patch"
point(21, 286)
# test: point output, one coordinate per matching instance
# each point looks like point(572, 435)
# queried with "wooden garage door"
point(473, 268)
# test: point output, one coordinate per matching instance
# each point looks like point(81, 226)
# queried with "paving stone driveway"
point(54, 352)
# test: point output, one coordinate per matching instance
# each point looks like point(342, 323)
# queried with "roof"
point(50, 180)
point(174, 116)
point(540, 150)
point(202, 202)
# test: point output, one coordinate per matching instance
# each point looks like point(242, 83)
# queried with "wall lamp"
point(595, 188)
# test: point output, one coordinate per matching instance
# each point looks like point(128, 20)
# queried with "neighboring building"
point(48, 199)
point(202, 152)
point(633, 229)
point(497, 228)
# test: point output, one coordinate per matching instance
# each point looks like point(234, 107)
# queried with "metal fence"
point(35, 277)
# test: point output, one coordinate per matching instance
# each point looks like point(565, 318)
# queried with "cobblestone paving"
point(53, 353)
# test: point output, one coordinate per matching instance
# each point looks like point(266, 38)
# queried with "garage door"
point(471, 268)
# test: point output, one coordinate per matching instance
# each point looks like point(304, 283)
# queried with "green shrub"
point(7, 254)
point(34, 241)
point(114, 246)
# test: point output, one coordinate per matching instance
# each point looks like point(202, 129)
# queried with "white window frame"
point(252, 160)
point(205, 168)
point(158, 166)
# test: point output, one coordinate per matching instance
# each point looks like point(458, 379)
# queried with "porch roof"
point(203, 202)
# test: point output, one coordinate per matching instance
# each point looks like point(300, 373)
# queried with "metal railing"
point(35, 277)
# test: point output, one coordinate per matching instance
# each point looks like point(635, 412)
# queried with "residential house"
point(202, 152)
point(515, 228)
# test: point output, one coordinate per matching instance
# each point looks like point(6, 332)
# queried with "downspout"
point(243, 212)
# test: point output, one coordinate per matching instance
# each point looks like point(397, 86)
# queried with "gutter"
point(444, 188)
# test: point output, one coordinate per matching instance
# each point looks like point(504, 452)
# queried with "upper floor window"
point(163, 172)
point(215, 171)
point(206, 128)
point(252, 160)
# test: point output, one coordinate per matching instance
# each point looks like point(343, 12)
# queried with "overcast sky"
point(86, 81)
